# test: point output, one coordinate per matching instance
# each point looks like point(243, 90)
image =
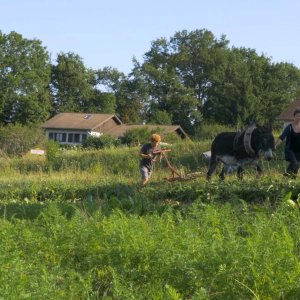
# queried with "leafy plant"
point(103, 141)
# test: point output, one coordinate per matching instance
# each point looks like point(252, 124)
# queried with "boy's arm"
point(143, 153)
point(160, 153)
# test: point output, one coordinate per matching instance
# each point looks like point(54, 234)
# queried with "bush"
point(103, 141)
point(137, 136)
point(172, 138)
point(52, 148)
point(18, 139)
point(209, 131)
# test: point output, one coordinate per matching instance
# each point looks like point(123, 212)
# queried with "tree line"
point(190, 79)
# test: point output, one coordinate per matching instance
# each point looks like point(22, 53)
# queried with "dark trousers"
point(293, 163)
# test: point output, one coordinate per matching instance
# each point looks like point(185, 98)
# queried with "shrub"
point(103, 141)
point(209, 131)
point(137, 136)
point(171, 138)
point(52, 148)
point(18, 139)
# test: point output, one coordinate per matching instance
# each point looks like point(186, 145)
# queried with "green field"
point(79, 227)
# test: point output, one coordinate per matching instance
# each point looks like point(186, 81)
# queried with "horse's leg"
point(240, 172)
point(222, 173)
point(212, 166)
point(259, 169)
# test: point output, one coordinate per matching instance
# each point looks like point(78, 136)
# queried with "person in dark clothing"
point(147, 153)
point(291, 134)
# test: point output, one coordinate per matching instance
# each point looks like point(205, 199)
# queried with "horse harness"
point(246, 140)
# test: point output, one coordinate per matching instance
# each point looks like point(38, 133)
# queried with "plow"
point(175, 175)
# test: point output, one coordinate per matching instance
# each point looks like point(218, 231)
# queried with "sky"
point(112, 32)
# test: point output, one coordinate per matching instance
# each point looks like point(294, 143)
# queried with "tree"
point(160, 117)
point(194, 77)
point(128, 91)
point(166, 88)
point(24, 80)
point(281, 85)
point(194, 73)
point(102, 102)
point(252, 89)
point(231, 99)
point(110, 78)
point(72, 85)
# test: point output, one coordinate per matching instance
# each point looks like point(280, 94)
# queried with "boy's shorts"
point(145, 172)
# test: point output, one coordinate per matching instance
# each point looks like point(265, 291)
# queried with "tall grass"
point(83, 229)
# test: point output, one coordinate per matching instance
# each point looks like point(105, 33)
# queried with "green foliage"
point(189, 79)
point(172, 138)
point(208, 131)
point(18, 139)
point(52, 148)
point(76, 225)
point(103, 141)
point(24, 80)
point(160, 117)
point(137, 136)
point(130, 92)
point(194, 76)
point(102, 103)
point(71, 84)
point(89, 232)
point(229, 251)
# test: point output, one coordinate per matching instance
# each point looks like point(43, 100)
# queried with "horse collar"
point(247, 141)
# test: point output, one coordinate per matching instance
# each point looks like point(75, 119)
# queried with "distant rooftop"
point(118, 131)
point(288, 113)
point(79, 121)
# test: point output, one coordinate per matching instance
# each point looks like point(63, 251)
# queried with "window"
point(70, 137)
point(76, 137)
point(63, 137)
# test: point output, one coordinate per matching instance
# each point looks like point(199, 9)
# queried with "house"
point(73, 128)
point(287, 115)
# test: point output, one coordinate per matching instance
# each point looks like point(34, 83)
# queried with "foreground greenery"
point(208, 252)
point(79, 227)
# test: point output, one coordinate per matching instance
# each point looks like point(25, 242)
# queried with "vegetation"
point(78, 226)
point(75, 223)
point(103, 141)
point(192, 78)
point(17, 139)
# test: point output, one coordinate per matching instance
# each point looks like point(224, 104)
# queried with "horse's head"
point(263, 142)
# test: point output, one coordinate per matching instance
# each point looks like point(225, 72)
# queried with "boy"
point(147, 153)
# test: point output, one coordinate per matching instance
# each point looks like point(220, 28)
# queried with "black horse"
point(241, 148)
